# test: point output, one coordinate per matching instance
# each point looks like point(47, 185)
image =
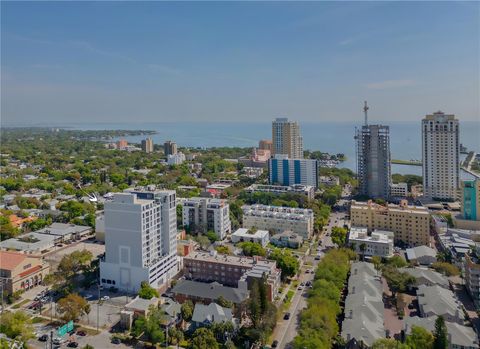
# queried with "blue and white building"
point(140, 239)
point(285, 171)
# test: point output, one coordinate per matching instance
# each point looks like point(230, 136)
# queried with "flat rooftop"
point(227, 259)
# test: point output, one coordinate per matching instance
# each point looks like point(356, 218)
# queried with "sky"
point(135, 62)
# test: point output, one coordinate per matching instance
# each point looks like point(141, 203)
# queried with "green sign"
point(63, 330)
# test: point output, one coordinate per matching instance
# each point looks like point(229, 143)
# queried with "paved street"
point(286, 330)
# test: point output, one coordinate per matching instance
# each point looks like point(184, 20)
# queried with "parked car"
point(274, 343)
point(286, 316)
point(43, 338)
point(81, 333)
point(105, 298)
point(116, 340)
point(72, 345)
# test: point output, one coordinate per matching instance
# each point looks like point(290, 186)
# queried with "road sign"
point(63, 330)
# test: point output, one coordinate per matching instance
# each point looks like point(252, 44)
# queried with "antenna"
point(365, 110)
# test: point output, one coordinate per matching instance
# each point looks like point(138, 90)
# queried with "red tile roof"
point(30, 271)
point(9, 260)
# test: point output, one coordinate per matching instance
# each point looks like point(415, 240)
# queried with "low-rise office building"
point(258, 236)
point(66, 232)
point(378, 243)
point(410, 224)
point(279, 219)
point(31, 243)
point(20, 272)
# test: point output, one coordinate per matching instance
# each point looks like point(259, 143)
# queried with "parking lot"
point(56, 255)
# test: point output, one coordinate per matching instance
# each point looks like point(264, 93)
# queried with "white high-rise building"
point(441, 156)
point(286, 138)
point(140, 239)
point(205, 214)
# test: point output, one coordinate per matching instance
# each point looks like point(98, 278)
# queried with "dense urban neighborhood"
point(107, 243)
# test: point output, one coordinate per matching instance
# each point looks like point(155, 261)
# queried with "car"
point(72, 345)
point(57, 341)
point(88, 296)
point(302, 284)
point(299, 288)
point(308, 283)
point(81, 333)
point(43, 338)
point(105, 298)
point(116, 340)
point(317, 258)
point(286, 316)
point(274, 343)
point(307, 271)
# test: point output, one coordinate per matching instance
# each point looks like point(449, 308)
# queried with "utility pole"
point(51, 339)
point(98, 304)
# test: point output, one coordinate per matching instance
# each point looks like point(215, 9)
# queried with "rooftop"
point(403, 207)
point(244, 232)
point(10, 260)
point(227, 259)
point(63, 229)
point(211, 290)
point(212, 313)
point(277, 212)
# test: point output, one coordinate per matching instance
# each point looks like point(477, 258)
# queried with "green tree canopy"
point(147, 291)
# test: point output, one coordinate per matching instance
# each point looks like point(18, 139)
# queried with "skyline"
point(165, 62)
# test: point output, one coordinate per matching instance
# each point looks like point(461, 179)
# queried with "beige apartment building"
point(410, 224)
point(286, 138)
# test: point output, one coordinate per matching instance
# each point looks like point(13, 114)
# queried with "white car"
point(105, 298)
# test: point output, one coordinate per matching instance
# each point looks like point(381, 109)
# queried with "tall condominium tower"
point(441, 156)
point(147, 145)
point(373, 159)
point(286, 138)
point(170, 148)
point(140, 239)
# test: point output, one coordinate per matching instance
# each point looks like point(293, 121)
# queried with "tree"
point(150, 326)
point(440, 335)
point(221, 301)
point(212, 236)
point(17, 325)
point(175, 336)
point(397, 261)
point(388, 343)
point(420, 338)
point(397, 281)
point(187, 310)
point(223, 249)
point(252, 249)
point(446, 268)
point(377, 262)
point(72, 307)
point(147, 291)
point(203, 338)
point(203, 241)
point(286, 261)
point(339, 236)
point(74, 262)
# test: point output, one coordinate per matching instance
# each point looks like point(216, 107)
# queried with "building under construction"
point(373, 159)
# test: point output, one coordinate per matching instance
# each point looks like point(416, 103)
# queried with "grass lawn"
point(18, 305)
point(38, 320)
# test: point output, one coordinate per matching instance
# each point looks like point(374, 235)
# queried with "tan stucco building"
point(19, 271)
point(410, 224)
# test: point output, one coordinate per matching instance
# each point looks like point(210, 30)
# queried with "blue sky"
point(208, 61)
